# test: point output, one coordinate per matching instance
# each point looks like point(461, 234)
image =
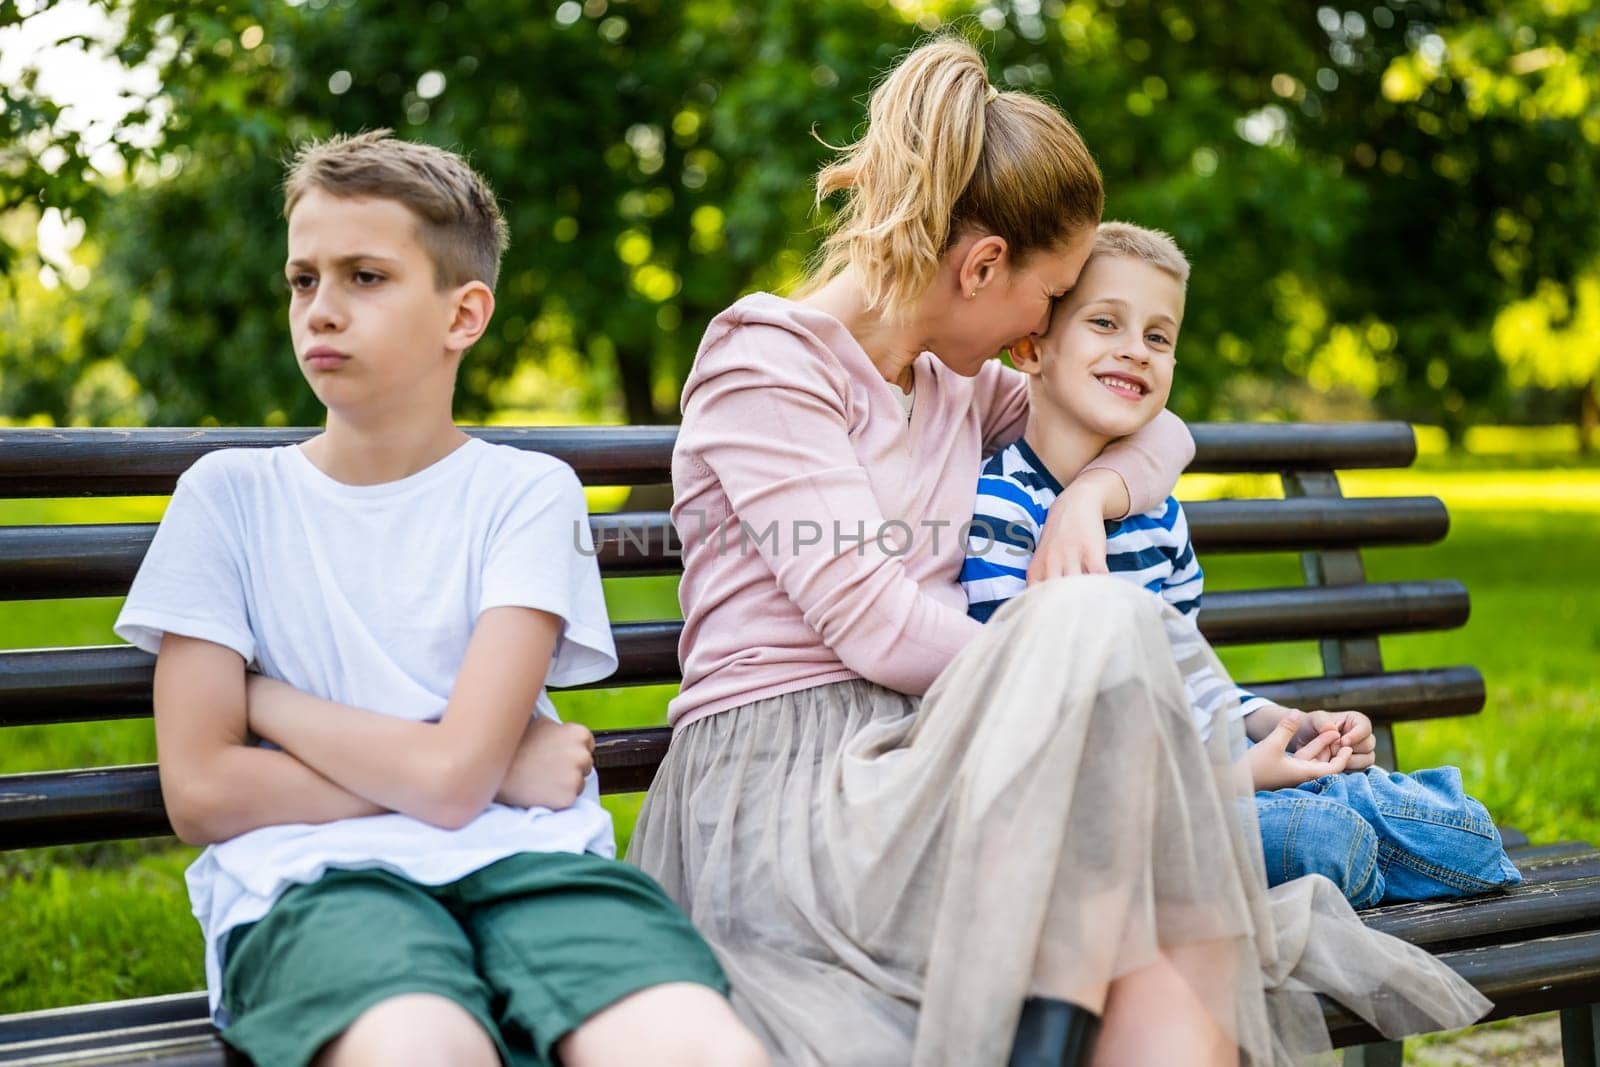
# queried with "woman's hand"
point(1074, 537)
point(552, 762)
point(1272, 766)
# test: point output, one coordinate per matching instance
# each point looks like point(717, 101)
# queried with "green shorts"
point(531, 946)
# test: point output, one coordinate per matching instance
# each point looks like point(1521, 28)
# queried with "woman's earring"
point(972, 294)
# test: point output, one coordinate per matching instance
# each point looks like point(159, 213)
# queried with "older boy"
point(1104, 370)
point(413, 868)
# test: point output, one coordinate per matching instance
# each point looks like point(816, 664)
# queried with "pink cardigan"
point(793, 447)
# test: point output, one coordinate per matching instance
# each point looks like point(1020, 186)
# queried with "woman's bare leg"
point(1155, 1015)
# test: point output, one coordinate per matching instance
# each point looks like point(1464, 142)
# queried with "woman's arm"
point(766, 413)
point(1147, 462)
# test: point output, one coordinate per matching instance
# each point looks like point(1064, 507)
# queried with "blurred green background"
point(1391, 209)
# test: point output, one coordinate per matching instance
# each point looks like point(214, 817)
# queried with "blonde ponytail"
point(945, 151)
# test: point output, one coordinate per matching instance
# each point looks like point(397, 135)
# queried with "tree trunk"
point(633, 367)
point(1588, 416)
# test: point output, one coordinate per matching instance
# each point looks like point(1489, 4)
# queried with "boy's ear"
point(474, 307)
point(1024, 355)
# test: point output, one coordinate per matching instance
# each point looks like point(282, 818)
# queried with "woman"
point(892, 824)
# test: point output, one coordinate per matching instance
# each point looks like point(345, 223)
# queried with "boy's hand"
point(1073, 540)
point(1273, 767)
point(552, 761)
point(1354, 730)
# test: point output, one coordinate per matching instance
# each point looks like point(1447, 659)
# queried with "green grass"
point(119, 928)
point(99, 922)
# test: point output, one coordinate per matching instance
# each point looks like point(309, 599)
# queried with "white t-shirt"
point(367, 595)
point(907, 398)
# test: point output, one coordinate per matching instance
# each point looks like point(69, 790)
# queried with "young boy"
point(1104, 370)
point(411, 865)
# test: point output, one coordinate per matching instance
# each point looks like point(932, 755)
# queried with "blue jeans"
point(1384, 837)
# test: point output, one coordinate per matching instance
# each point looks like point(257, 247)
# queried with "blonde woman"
point(895, 825)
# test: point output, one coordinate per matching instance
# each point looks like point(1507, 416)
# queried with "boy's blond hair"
point(458, 219)
point(1149, 246)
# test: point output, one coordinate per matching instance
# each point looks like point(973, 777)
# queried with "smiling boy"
point(414, 868)
point(1102, 371)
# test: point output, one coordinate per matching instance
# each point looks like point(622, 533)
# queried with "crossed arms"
point(341, 762)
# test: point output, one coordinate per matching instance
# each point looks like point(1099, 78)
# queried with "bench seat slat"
point(191, 1045)
point(1448, 924)
point(1539, 857)
point(1534, 972)
point(1522, 978)
point(40, 462)
point(39, 562)
point(81, 1019)
point(1561, 869)
point(186, 1043)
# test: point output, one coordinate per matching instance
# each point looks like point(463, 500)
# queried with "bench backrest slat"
point(38, 462)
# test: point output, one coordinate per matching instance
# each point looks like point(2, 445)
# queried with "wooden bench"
point(1533, 949)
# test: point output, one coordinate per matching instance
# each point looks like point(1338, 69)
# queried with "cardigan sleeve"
point(767, 413)
point(1149, 461)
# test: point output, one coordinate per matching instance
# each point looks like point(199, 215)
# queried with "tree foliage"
point(1363, 192)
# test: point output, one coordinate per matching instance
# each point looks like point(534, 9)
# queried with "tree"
point(1361, 191)
point(1552, 340)
point(1461, 126)
point(648, 174)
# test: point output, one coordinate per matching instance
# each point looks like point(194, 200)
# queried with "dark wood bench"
point(1533, 949)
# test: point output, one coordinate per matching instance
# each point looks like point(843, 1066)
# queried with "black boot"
point(1053, 1033)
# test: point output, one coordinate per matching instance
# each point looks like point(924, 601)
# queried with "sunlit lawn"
point(103, 922)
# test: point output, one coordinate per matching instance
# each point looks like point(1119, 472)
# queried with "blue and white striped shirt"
point(1015, 491)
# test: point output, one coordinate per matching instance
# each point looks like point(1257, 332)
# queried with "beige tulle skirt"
point(886, 879)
